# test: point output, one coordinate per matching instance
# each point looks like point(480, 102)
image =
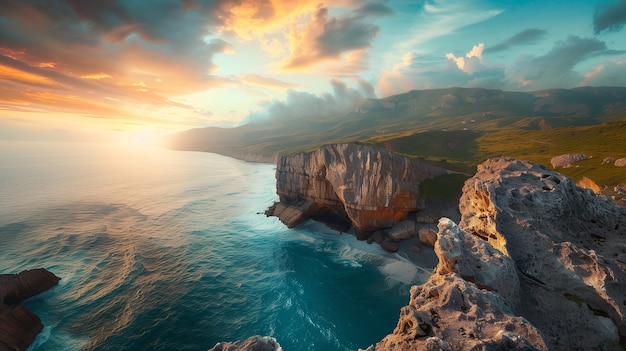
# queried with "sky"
point(134, 70)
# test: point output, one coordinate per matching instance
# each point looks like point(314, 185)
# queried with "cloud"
point(90, 56)
point(250, 19)
point(374, 9)
point(267, 82)
point(436, 19)
point(556, 68)
point(299, 105)
point(609, 16)
point(326, 38)
point(525, 37)
point(471, 62)
point(352, 63)
point(606, 74)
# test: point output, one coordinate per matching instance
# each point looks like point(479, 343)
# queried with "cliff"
point(536, 262)
point(18, 325)
point(366, 187)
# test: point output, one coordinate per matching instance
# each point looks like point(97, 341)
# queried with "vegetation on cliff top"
point(457, 128)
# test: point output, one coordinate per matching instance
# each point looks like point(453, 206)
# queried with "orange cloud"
point(17, 75)
point(326, 38)
point(96, 76)
point(250, 19)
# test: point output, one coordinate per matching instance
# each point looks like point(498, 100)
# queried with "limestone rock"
point(589, 184)
point(536, 263)
point(567, 160)
point(370, 187)
point(427, 236)
point(18, 325)
point(567, 243)
point(462, 306)
point(253, 343)
point(403, 230)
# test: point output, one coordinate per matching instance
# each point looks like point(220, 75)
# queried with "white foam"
point(399, 271)
point(41, 338)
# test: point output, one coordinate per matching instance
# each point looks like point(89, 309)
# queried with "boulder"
point(427, 236)
point(253, 343)
point(567, 160)
point(18, 325)
point(620, 162)
point(403, 230)
point(389, 245)
point(377, 237)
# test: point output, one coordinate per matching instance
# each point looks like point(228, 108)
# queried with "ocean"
point(170, 250)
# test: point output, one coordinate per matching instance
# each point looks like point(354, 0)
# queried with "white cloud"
point(444, 17)
point(472, 62)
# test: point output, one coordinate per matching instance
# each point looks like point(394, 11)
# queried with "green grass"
point(445, 187)
point(464, 150)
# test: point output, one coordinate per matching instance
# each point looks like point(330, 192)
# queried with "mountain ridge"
point(448, 115)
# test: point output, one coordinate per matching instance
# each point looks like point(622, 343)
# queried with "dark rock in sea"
point(369, 187)
point(536, 263)
point(18, 325)
point(254, 343)
point(403, 230)
point(389, 245)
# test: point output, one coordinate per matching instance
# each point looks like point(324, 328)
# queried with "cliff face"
point(536, 262)
point(370, 187)
point(18, 325)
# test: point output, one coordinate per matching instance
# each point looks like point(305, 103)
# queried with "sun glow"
point(146, 137)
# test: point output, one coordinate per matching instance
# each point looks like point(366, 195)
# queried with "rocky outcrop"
point(360, 185)
point(536, 262)
point(253, 343)
point(620, 162)
point(18, 325)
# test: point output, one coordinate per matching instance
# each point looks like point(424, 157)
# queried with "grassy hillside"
point(467, 148)
point(457, 128)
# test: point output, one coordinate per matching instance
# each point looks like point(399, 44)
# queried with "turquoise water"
point(166, 250)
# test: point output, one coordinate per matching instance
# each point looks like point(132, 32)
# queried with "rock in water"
point(427, 236)
point(253, 343)
point(535, 263)
point(370, 187)
point(19, 326)
point(403, 230)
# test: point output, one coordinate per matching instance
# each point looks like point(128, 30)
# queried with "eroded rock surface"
point(18, 325)
point(253, 343)
point(535, 263)
point(368, 187)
